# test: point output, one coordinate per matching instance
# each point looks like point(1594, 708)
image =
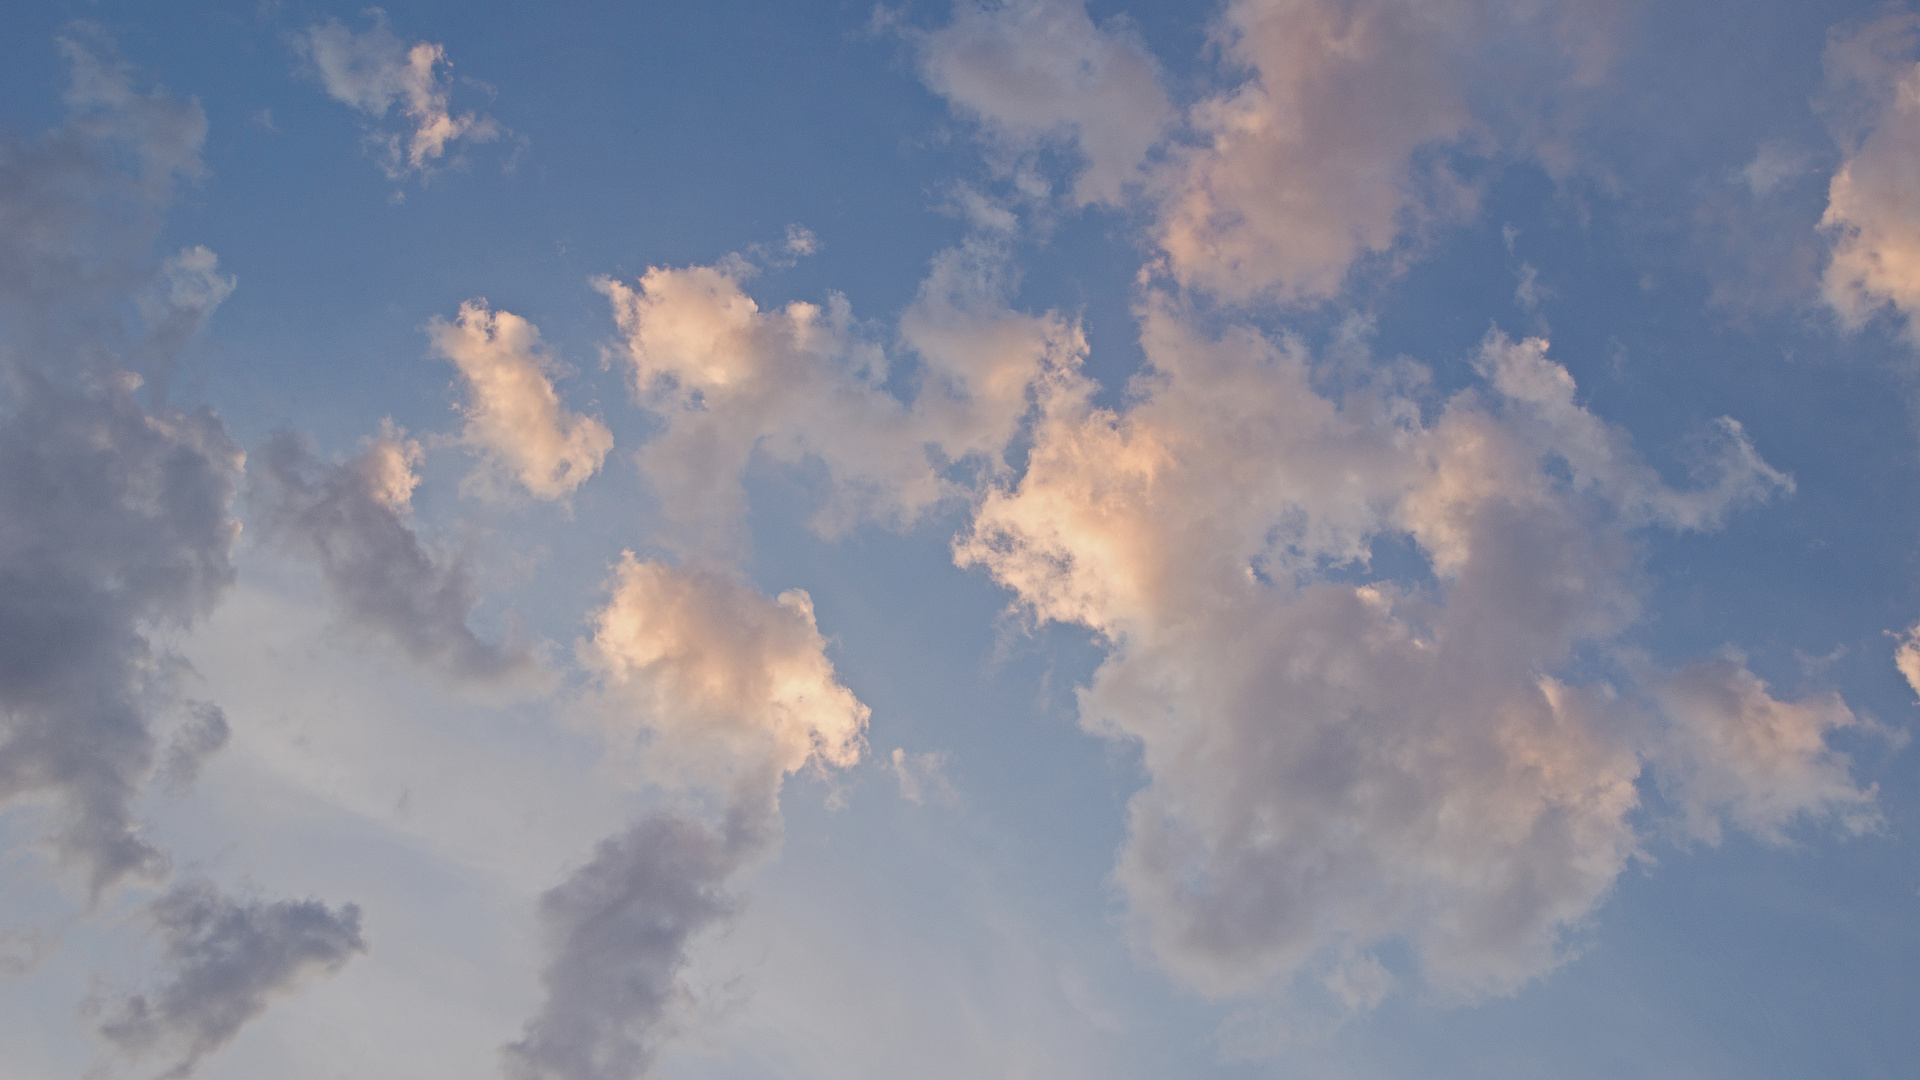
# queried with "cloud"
point(1761, 763)
point(619, 931)
point(223, 961)
point(921, 777)
point(729, 689)
point(204, 734)
point(515, 420)
point(374, 70)
point(805, 386)
point(799, 384)
point(1038, 74)
point(1340, 756)
point(1906, 657)
point(1873, 208)
point(731, 692)
point(354, 521)
point(117, 513)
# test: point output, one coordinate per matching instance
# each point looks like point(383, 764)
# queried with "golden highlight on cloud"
point(1334, 766)
point(515, 419)
point(1873, 205)
point(374, 70)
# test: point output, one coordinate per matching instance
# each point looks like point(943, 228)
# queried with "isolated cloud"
point(223, 961)
point(731, 692)
point(1757, 762)
point(1328, 146)
point(1873, 204)
point(1339, 757)
point(372, 71)
point(116, 513)
point(1038, 74)
point(515, 420)
point(619, 930)
point(354, 520)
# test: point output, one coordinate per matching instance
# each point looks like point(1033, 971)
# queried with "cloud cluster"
point(515, 419)
point(374, 70)
point(116, 528)
point(1336, 756)
point(354, 520)
point(1873, 206)
point(223, 960)
point(729, 692)
point(803, 386)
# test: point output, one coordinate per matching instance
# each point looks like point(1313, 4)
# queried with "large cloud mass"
point(1340, 754)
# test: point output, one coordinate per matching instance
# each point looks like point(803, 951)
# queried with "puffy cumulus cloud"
point(732, 692)
point(1873, 203)
point(804, 385)
point(374, 70)
point(354, 520)
point(115, 515)
point(1338, 757)
point(515, 420)
point(223, 961)
point(1741, 755)
point(1038, 74)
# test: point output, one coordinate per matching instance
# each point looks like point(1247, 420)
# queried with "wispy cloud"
point(373, 71)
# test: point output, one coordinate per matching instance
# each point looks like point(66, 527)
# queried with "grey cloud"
point(352, 520)
point(203, 735)
point(224, 960)
point(114, 514)
point(619, 930)
point(115, 521)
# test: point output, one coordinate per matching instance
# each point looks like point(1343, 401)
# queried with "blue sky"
point(1281, 538)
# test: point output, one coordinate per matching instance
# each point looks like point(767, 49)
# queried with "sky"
point(1272, 538)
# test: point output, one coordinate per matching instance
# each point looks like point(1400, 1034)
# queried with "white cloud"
point(1761, 763)
point(1038, 74)
point(374, 70)
point(798, 383)
point(515, 420)
point(1334, 765)
point(727, 686)
point(1873, 205)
